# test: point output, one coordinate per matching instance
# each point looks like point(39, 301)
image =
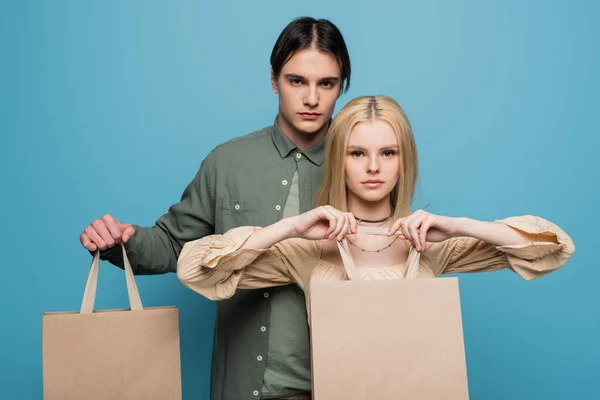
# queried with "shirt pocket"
point(233, 213)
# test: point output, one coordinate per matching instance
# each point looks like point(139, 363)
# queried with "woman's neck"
point(371, 210)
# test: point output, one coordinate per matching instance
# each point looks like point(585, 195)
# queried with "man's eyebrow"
point(295, 76)
point(302, 78)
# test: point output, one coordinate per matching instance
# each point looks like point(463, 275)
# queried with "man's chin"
point(309, 128)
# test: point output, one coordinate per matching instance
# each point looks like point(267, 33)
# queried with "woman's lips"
point(372, 184)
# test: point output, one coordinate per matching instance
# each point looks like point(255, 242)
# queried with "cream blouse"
point(216, 266)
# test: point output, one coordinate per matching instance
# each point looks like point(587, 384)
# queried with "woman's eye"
point(388, 153)
point(356, 153)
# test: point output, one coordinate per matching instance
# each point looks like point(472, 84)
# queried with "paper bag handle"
point(89, 295)
point(412, 261)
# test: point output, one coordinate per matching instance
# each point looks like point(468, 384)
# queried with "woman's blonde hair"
point(333, 190)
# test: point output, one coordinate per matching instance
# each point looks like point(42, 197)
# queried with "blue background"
point(109, 107)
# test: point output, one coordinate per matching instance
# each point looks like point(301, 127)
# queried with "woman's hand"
point(421, 227)
point(324, 222)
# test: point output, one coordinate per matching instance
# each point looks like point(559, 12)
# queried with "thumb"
point(127, 231)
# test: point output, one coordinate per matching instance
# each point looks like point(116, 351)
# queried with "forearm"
point(268, 236)
point(499, 234)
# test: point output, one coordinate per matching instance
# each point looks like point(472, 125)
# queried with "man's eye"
point(296, 82)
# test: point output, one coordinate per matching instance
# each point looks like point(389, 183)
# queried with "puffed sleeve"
point(216, 266)
point(530, 260)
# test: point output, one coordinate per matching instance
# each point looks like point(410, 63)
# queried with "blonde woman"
point(370, 175)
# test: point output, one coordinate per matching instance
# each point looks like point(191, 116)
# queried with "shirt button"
point(237, 206)
point(255, 393)
point(284, 182)
point(298, 155)
point(278, 207)
point(263, 328)
point(266, 294)
point(259, 358)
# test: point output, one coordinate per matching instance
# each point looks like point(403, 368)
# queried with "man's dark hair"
point(320, 34)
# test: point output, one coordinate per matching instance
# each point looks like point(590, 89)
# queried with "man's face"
point(308, 87)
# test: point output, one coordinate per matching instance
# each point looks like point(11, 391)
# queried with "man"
point(261, 346)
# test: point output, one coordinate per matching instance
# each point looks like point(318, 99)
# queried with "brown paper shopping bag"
point(111, 354)
point(387, 339)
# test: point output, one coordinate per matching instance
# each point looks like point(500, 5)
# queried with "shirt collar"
point(315, 153)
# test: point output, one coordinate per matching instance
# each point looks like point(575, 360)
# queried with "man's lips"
point(309, 115)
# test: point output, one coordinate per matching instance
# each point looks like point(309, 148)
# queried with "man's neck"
point(301, 139)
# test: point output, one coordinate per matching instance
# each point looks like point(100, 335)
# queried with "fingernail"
point(125, 238)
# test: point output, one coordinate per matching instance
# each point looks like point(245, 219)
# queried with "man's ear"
point(274, 83)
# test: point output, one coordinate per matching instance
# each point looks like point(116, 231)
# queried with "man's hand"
point(104, 233)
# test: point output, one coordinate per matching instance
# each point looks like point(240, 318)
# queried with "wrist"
point(288, 228)
point(462, 226)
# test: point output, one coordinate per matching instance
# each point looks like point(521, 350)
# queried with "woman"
point(370, 177)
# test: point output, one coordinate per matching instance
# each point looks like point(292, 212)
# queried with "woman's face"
point(372, 161)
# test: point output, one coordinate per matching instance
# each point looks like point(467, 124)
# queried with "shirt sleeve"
point(530, 260)
point(154, 250)
point(216, 266)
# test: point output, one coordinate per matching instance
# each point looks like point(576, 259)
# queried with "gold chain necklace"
point(372, 251)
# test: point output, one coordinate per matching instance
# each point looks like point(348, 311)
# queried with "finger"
point(353, 223)
point(395, 227)
point(408, 232)
point(95, 238)
point(426, 222)
point(345, 229)
point(414, 227)
point(341, 222)
point(404, 229)
point(414, 235)
point(403, 220)
point(87, 242)
point(102, 230)
point(412, 223)
point(112, 226)
point(423, 233)
point(128, 232)
point(400, 235)
point(331, 220)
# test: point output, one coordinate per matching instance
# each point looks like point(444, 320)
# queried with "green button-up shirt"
point(244, 181)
